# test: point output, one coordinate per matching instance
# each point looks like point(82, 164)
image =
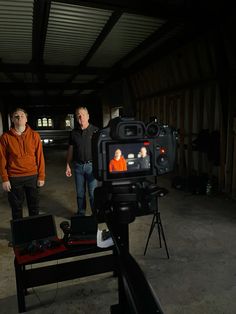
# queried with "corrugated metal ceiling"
point(71, 32)
point(16, 31)
point(73, 45)
point(130, 31)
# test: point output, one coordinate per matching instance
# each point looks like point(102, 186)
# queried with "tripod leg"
point(159, 227)
point(163, 236)
point(157, 213)
point(150, 232)
point(157, 220)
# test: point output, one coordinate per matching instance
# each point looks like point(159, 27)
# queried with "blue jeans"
point(83, 175)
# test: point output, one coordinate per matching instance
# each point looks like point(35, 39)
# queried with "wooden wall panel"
point(185, 91)
point(234, 161)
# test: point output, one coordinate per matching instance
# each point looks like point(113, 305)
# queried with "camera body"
point(131, 137)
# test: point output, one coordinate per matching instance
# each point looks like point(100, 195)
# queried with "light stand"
point(156, 220)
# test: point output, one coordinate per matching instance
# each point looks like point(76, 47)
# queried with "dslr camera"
point(125, 154)
point(131, 138)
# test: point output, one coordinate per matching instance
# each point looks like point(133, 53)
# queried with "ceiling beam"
point(164, 9)
point(9, 75)
point(62, 69)
point(40, 23)
point(101, 37)
point(48, 86)
point(133, 7)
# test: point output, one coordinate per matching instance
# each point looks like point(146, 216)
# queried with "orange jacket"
point(117, 165)
point(21, 155)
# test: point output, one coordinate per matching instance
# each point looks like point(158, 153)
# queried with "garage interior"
point(172, 60)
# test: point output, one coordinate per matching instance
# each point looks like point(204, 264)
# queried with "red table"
point(67, 270)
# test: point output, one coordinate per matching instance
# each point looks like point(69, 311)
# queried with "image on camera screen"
point(129, 159)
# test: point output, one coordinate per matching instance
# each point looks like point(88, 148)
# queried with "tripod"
point(156, 220)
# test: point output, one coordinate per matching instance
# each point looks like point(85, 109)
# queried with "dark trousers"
point(22, 187)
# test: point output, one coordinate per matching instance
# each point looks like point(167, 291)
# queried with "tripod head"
point(155, 190)
point(126, 200)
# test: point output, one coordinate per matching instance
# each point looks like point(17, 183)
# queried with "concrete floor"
point(199, 277)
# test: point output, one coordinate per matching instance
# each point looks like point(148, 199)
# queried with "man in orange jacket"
point(22, 166)
point(117, 163)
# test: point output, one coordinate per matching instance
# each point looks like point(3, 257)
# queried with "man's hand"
point(40, 183)
point(6, 186)
point(68, 171)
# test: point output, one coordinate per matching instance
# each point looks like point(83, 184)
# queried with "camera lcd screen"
point(129, 160)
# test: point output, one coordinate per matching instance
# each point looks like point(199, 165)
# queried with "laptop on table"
point(83, 230)
point(34, 234)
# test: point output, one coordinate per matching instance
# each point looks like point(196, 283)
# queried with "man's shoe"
point(81, 214)
point(10, 244)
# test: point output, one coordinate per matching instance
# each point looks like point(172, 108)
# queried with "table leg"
point(19, 270)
